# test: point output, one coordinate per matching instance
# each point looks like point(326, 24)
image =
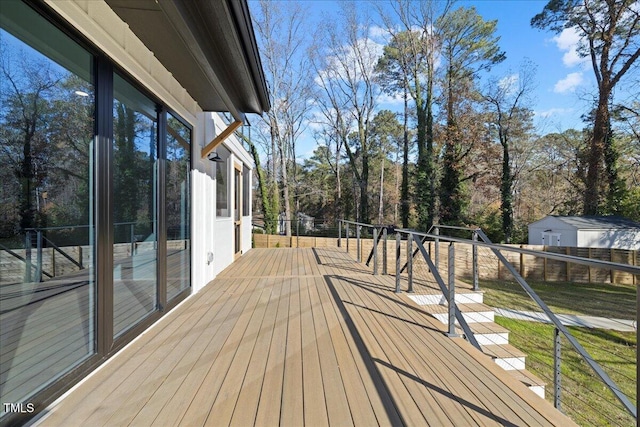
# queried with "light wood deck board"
point(307, 343)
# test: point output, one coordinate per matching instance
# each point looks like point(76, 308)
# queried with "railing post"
point(436, 231)
point(27, 257)
point(474, 252)
point(452, 291)
point(384, 251)
point(339, 233)
point(358, 244)
point(410, 262)
point(375, 251)
point(39, 256)
point(132, 238)
point(297, 231)
point(347, 237)
point(557, 375)
point(398, 241)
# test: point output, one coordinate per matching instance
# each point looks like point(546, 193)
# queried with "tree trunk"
point(404, 193)
point(505, 188)
point(596, 154)
point(380, 203)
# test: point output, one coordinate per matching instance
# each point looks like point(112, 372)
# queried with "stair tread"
point(527, 378)
point(464, 308)
point(430, 291)
point(502, 351)
point(488, 328)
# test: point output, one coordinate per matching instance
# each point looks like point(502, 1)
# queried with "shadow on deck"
point(300, 337)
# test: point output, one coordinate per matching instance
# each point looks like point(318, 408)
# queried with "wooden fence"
point(529, 266)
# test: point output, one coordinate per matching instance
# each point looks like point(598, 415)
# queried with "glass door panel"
point(47, 236)
point(135, 159)
point(177, 207)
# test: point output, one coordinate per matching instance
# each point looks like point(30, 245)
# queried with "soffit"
point(208, 46)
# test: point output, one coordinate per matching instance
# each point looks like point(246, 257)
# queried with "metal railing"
point(480, 240)
point(36, 241)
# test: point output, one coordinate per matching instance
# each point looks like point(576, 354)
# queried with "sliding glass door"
point(135, 207)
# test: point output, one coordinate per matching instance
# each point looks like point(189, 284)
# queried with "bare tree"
point(284, 45)
point(511, 120)
point(347, 79)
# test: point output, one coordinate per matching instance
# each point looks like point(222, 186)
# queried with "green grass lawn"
point(592, 299)
point(584, 398)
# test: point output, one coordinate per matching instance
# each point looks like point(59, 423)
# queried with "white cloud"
point(509, 84)
point(569, 83)
point(554, 112)
point(388, 101)
point(568, 42)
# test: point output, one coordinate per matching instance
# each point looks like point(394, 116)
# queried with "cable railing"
point(38, 240)
point(567, 352)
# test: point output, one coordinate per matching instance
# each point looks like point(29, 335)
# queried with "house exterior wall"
point(203, 246)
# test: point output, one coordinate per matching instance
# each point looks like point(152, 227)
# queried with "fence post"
point(398, 240)
point(384, 251)
point(358, 244)
point(474, 256)
point(297, 231)
point(339, 233)
point(375, 251)
point(452, 291)
point(557, 374)
point(410, 262)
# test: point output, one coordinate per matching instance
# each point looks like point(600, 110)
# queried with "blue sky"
point(564, 82)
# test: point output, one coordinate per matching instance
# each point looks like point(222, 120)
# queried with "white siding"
point(619, 239)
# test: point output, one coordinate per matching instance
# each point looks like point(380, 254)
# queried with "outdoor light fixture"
point(214, 157)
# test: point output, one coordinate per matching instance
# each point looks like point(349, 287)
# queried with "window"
point(47, 213)
point(222, 184)
point(135, 148)
point(246, 191)
point(102, 174)
point(177, 206)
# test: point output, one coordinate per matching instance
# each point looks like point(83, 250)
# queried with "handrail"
point(496, 249)
point(558, 324)
point(608, 265)
point(463, 323)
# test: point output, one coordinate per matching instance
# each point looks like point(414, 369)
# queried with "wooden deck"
point(298, 337)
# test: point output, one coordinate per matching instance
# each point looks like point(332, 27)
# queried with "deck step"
point(506, 356)
point(472, 313)
point(534, 383)
point(488, 333)
point(466, 297)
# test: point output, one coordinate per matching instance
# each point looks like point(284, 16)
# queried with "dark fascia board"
point(207, 47)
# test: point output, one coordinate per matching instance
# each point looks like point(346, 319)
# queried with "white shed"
point(585, 232)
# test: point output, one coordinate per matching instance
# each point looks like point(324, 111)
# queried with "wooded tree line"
point(463, 149)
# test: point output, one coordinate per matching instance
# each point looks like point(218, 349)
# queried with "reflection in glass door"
point(47, 236)
point(177, 208)
point(135, 249)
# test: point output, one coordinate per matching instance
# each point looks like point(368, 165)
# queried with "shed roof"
point(597, 222)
